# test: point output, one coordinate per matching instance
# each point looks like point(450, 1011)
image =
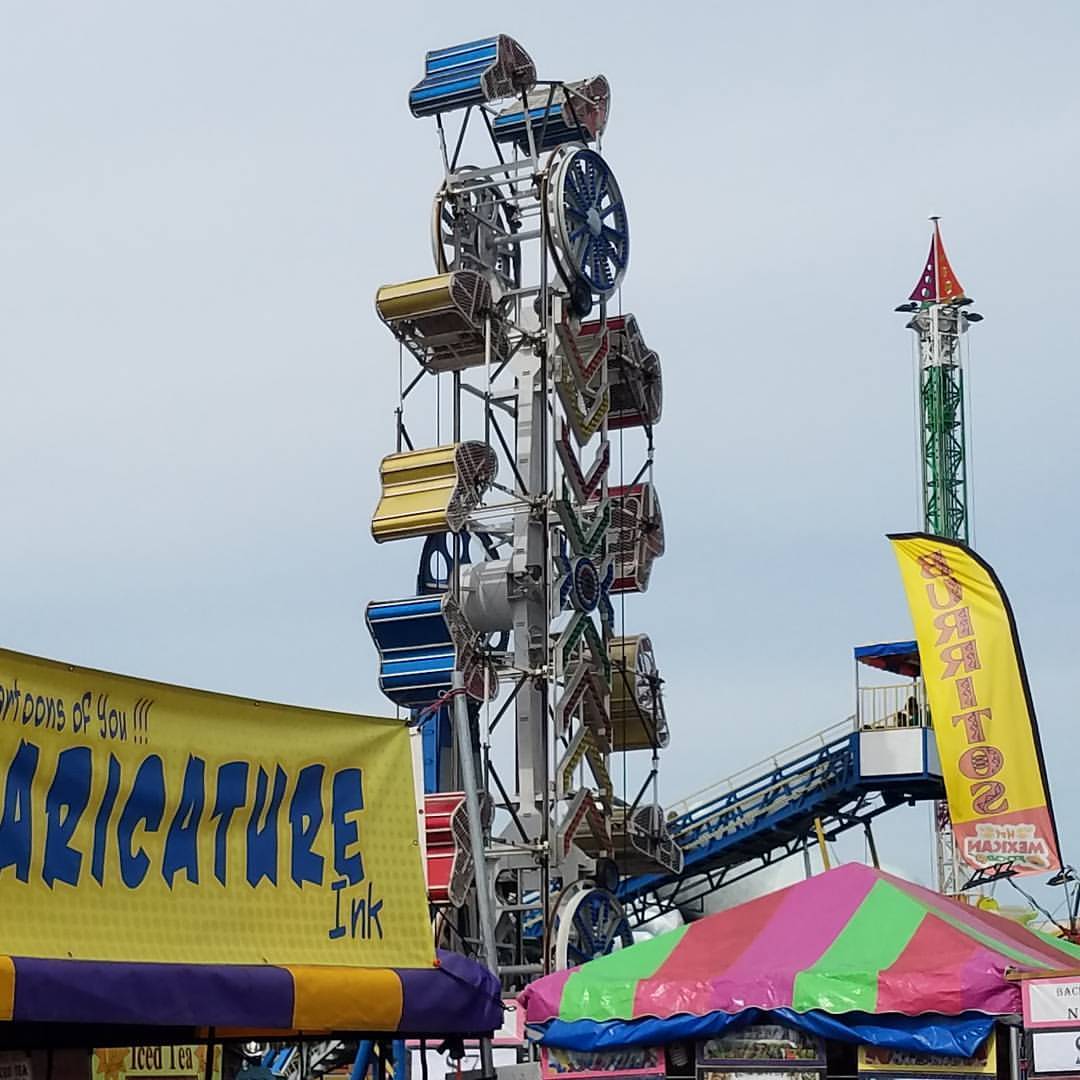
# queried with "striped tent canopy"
point(852, 941)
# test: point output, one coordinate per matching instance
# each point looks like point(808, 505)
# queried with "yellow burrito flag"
point(980, 702)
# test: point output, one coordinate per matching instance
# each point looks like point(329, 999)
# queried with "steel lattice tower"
point(940, 319)
point(506, 657)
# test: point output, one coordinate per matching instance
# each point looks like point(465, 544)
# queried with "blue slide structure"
point(882, 757)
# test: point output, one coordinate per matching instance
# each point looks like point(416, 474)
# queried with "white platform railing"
point(774, 761)
point(896, 706)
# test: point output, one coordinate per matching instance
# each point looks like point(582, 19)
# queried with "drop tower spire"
point(938, 284)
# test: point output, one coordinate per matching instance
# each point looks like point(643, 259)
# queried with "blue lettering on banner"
point(17, 823)
point(145, 806)
point(130, 803)
point(348, 797)
point(355, 916)
point(101, 822)
point(306, 818)
point(65, 804)
point(231, 795)
point(262, 839)
point(91, 713)
point(182, 841)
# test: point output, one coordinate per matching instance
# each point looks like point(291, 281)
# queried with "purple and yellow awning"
point(175, 861)
point(851, 941)
point(457, 997)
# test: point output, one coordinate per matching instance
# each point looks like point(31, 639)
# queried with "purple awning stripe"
point(180, 995)
point(459, 997)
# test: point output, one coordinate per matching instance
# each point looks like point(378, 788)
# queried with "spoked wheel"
point(586, 220)
point(589, 922)
point(471, 229)
point(646, 690)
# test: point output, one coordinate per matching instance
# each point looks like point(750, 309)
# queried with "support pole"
point(400, 1059)
point(484, 895)
point(476, 832)
point(821, 844)
point(363, 1059)
point(871, 845)
point(209, 1074)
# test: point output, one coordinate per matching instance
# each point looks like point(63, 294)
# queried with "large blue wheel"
point(587, 221)
point(589, 922)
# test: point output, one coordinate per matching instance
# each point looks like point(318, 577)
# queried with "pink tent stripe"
point(926, 969)
point(680, 984)
point(764, 975)
point(544, 996)
point(984, 922)
point(980, 971)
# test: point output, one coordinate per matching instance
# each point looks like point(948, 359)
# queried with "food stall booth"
point(180, 869)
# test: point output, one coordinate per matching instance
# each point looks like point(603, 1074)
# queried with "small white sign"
point(1052, 1001)
point(1056, 1051)
point(14, 1066)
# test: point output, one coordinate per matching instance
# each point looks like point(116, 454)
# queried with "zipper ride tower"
point(515, 364)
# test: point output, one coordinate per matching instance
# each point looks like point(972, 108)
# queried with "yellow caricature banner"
point(980, 706)
point(146, 822)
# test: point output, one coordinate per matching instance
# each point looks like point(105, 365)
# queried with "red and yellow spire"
point(938, 283)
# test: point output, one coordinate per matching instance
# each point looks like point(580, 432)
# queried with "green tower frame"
point(945, 479)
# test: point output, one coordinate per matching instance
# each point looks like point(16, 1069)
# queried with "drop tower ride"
point(941, 317)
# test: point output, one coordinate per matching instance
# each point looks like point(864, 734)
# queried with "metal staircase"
point(842, 777)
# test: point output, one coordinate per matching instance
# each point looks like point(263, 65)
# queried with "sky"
point(198, 201)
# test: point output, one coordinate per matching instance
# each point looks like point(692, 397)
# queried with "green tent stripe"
point(606, 991)
point(845, 977)
point(1058, 943)
point(1003, 944)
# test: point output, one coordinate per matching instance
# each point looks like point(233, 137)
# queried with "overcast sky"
point(198, 201)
